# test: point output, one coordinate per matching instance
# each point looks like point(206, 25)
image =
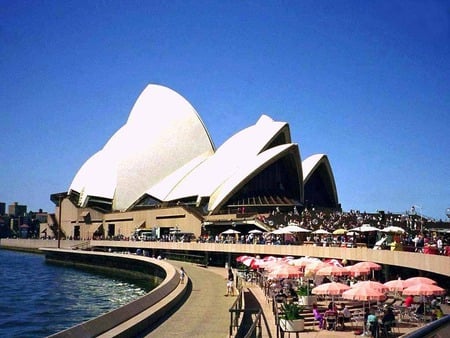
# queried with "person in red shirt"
point(408, 301)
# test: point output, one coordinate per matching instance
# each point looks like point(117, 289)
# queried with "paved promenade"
point(206, 312)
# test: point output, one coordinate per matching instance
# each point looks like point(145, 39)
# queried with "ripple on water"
point(40, 299)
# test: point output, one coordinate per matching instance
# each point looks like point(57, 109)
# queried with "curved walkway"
point(206, 311)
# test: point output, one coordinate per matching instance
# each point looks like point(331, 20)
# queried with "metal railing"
point(236, 310)
point(244, 322)
point(437, 328)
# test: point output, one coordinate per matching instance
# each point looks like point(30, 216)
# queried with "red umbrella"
point(333, 288)
point(415, 280)
point(241, 258)
point(423, 289)
point(251, 262)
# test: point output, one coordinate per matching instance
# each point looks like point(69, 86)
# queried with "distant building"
point(17, 210)
point(2, 208)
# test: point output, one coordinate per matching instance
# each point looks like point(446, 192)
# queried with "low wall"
point(34, 244)
point(432, 263)
point(132, 318)
point(424, 262)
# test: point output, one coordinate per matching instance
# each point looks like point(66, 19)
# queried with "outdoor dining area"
point(330, 295)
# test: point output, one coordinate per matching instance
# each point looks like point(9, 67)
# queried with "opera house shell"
point(163, 155)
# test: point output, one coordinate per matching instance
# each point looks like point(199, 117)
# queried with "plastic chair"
point(331, 322)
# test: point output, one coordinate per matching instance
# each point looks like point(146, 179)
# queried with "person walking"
point(182, 275)
point(230, 282)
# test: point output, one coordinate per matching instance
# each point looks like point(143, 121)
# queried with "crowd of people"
point(419, 233)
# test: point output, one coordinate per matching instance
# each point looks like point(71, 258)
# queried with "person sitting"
point(332, 306)
point(388, 321)
point(420, 309)
point(372, 323)
point(344, 315)
point(437, 313)
point(434, 303)
point(318, 316)
point(409, 301)
point(331, 317)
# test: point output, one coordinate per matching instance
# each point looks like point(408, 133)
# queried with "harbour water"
point(38, 299)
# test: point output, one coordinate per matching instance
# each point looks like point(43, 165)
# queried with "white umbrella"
point(296, 228)
point(281, 231)
point(255, 231)
point(365, 228)
point(321, 232)
point(393, 229)
point(230, 232)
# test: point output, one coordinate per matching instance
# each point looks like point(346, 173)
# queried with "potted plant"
point(291, 318)
point(304, 295)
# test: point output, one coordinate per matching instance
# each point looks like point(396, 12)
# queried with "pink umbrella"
point(304, 261)
point(370, 265)
point(357, 270)
point(269, 265)
point(423, 289)
point(285, 271)
point(415, 280)
point(332, 270)
point(373, 285)
point(396, 285)
point(330, 289)
point(315, 266)
point(364, 293)
point(333, 288)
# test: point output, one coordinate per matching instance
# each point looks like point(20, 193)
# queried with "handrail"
point(255, 330)
point(432, 329)
point(235, 311)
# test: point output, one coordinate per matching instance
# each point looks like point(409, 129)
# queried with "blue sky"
point(367, 83)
